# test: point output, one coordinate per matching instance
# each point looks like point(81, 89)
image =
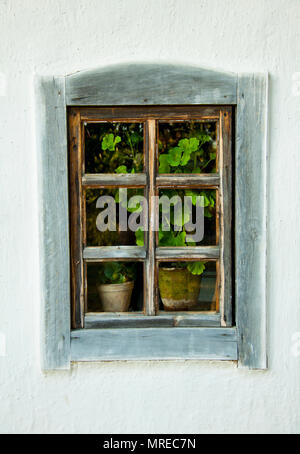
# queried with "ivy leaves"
point(178, 156)
point(164, 166)
point(188, 146)
point(174, 156)
point(109, 142)
point(187, 156)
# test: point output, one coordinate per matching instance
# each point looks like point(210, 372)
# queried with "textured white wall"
point(62, 36)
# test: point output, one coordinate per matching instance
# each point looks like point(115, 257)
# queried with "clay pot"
point(115, 297)
point(179, 289)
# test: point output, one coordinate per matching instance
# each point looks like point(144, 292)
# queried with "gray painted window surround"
point(154, 84)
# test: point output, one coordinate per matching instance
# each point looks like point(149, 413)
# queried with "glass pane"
point(187, 147)
point(187, 286)
point(187, 217)
point(114, 147)
point(114, 217)
point(115, 287)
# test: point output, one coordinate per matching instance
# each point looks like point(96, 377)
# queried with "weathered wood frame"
point(151, 181)
point(150, 84)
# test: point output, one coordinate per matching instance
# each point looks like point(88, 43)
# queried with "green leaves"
point(121, 169)
point(126, 158)
point(109, 142)
point(196, 268)
point(116, 273)
point(178, 156)
point(204, 138)
point(193, 153)
point(139, 237)
point(174, 156)
point(188, 146)
point(164, 164)
point(171, 238)
point(195, 197)
point(110, 269)
point(209, 201)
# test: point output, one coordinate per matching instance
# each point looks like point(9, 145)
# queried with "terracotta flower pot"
point(115, 297)
point(179, 289)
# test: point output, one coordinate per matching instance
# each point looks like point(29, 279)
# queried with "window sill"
point(154, 344)
point(96, 320)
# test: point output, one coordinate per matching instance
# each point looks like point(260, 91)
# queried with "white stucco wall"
point(63, 36)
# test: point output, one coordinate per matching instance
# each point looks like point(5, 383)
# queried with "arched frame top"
point(154, 84)
point(150, 84)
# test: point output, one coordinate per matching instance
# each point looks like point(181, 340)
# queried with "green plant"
point(175, 238)
point(114, 147)
point(109, 142)
point(196, 268)
point(178, 157)
point(193, 154)
point(188, 147)
point(170, 238)
point(187, 156)
point(116, 273)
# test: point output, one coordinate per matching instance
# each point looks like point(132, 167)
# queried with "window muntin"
point(216, 249)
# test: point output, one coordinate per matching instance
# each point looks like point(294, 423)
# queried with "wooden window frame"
point(152, 85)
point(151, 255)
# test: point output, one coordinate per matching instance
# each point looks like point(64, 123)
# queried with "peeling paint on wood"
point(94, 253)
point(150, 84)
point(250, 220)
point(54, 224)
point(154, 343)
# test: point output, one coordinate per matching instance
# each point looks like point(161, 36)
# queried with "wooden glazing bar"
point(97, 253)
point(197, 252)
point(76, 219)
point(225, 201)
point(209, 180)
point(150, 262)
point(112, 180)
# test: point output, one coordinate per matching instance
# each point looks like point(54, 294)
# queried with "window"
point(181, 271)
point(158, 103)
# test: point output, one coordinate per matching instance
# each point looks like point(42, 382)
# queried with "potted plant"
point(179, 282)
point(115, 285)
point(179, 285)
